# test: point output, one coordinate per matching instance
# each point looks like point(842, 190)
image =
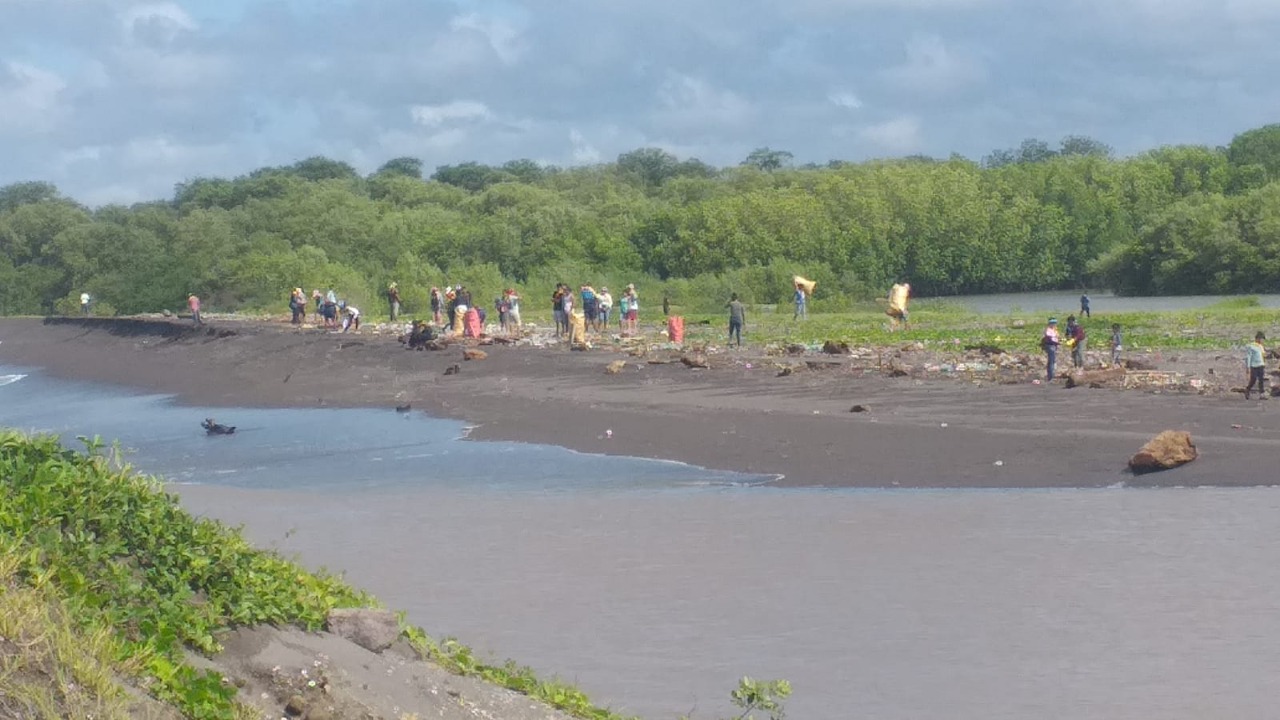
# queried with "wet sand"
point(916, 433)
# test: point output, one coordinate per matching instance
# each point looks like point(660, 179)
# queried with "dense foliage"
point(1184, 219)
point(125, 556)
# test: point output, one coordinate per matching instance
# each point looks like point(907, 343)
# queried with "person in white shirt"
point(84, 303)
point(350, 317)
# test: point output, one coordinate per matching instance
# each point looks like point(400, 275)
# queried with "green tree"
point(767, 159)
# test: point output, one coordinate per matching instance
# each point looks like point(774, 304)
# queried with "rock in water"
point(1169, 449)
point(372, 629)
point(615, 367)
point(473, 354)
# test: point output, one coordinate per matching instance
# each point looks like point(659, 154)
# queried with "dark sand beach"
point(739, 414)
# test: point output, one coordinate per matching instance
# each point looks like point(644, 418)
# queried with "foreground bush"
point(124, 555)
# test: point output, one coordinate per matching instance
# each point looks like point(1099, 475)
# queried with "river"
point(656, 585)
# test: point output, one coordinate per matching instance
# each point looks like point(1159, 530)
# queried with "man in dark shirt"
point(737, 318)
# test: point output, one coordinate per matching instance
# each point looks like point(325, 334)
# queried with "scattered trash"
point(998, 463)
point(608, 433)
point(859, 409)
point(1236, 427)
point(942, 425)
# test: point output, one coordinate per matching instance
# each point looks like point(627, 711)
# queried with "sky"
point(116, 101)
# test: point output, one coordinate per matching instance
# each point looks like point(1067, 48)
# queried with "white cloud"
point(583, 151)
point(457, 111)
point(933, 67)
point(156, 23)
point(899, 136)
point(844, 99)
point(503, 36)
point(29, 98)
point(693, 103)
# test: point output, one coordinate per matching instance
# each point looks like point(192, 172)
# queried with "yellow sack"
point(577, 329)
point(897, 297)
point(807, 285)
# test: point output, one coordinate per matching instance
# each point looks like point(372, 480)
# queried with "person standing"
point(1255, 361)
point(557, 307)
point(1076, 339)
point(1049, 342)
point(393, 299)
point(666, 305)
point(801, 303)
point(590, 306)
point(298, 306)
point(1117, 344)
point(737, 319)
point(193, 304)
point(350, 317)
point(1084, 306)
point(513, 308)
point(606, 304)
point(633, 310)
point(437, 305)
point(84, 303)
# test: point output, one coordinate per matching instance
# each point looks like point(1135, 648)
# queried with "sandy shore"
point(988, 431)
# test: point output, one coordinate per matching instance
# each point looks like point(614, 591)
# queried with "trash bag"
point(675, 329)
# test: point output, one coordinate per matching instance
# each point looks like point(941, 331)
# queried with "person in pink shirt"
point(193, 304)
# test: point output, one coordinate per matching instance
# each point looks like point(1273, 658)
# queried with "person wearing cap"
point(605, 304)
point(193, 304)
point(1255, 361)
point(1049, 342)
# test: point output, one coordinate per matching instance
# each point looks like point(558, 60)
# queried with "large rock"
point(615, 367)
point(474, 354)
point(372, 629)
point(695, 360)
point(1108, 377)
point(1169, 449)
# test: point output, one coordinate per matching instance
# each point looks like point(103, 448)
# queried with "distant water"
point(656, 586)
point(317, 449)
point(1065, 303)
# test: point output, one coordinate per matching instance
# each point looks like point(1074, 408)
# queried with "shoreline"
point(738, 415)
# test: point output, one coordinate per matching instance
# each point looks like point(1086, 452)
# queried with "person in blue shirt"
point(1084, 306)
point(801, 310)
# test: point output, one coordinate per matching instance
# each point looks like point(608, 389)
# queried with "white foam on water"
point(10, 379)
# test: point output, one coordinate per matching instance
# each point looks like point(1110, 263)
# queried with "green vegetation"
point(104, 578)
point(939, 324)
point(1180, 220)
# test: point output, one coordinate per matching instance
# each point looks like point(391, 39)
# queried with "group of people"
point(1076, 338)
point(597, 308)
point(330, 312)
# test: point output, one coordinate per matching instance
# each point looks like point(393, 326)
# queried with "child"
point(1049, 343)
point(1116, 344)
point(1255, 361)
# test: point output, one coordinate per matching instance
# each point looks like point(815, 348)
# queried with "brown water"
point(956, 604)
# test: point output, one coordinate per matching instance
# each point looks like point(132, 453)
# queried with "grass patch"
point(103, 575)
point(49, 668)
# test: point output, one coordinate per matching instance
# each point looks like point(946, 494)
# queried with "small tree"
point(765, 695)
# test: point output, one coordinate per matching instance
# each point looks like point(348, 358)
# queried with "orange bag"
point(675, 329)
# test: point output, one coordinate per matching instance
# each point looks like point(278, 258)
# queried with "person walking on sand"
point(84, 303)
point(1255, 362)
point(193, 304)
point(801, 303)
point(393, 299)
point(737, 319)
point(1084, 306)
point(1049, 342)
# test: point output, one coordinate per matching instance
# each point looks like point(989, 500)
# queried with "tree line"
point(1175, 220)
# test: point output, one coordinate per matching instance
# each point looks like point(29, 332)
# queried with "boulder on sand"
point(695, 360)
point(372, 629)
point(615, 367)
point(831, 347)
point(1107, 377)
point(1169, 449)
point(474, 354)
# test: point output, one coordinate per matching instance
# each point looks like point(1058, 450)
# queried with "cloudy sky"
point(117, 100)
